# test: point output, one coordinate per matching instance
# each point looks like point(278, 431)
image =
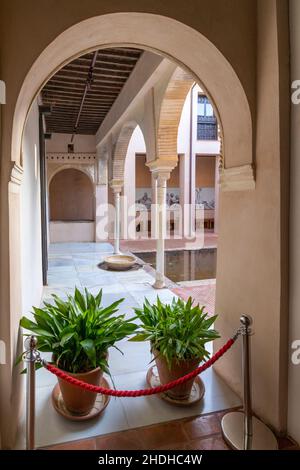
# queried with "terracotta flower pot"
point(177, 370)
point(77, 400)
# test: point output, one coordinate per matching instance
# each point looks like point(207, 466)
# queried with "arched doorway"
point(133, 29)
point(71, 207)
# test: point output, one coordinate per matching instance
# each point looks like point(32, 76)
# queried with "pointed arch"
point(120, 151)
point(170, 113)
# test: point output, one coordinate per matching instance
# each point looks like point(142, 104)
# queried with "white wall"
point(294, 321)
point(31, 215)
point(136, 145)
point(63, 232)
point(204, 147)
point(82, 143)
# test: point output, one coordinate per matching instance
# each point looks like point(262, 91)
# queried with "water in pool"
point(186, 265)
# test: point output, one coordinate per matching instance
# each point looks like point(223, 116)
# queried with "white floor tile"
point(136, 357)
point(76, 264)
point(150, 410)
point(52, 428)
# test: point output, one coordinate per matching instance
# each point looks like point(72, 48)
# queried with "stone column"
point(117, 223)
point(161, 188)
point(161, 170)
point(153, 211)
point(116, 186)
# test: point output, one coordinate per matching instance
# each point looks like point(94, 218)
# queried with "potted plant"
point(78, 332)
point(178, 333)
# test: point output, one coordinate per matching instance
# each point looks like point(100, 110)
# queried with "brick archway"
point(170, 113)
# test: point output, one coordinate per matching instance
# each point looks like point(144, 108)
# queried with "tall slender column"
point(153, 212)
point(116, 186)
point(117, 223)
point(161, 192)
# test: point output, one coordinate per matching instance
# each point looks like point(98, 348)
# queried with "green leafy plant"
point(178, 331)
point(78, 331)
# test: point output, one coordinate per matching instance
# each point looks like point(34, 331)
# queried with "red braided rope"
point(148, 391)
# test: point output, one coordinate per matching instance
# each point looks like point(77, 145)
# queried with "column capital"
point(162, 168)
point(116, 185)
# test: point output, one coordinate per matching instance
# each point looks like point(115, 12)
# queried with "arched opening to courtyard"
point(217, 78)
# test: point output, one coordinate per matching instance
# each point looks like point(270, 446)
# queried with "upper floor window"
point(207, 126)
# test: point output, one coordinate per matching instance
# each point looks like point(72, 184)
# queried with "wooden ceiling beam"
point(60, 103)
point(81, 75)
point(93, 97)
point(65, 90)
point(77, 87)
point(98, 72)
point(119, 55)
point(100, 65)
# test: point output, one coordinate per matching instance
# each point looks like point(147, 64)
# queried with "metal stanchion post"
point(242, 430)
point(30, 358)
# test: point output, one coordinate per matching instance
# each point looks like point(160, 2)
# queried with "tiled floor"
point(198, 433)
point(203, 293)
point(75, 264)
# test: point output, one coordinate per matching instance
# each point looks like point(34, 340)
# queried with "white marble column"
point(161, 194)
point(116, 186)
point(153, 212)
point(117, 222)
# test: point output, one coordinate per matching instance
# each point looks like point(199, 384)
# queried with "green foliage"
point(78, 331)
point(178, 330)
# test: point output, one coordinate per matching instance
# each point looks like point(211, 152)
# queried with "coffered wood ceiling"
point(83, 91)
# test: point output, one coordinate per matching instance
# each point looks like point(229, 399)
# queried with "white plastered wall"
point(31, 261)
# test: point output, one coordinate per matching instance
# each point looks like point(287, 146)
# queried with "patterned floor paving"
point(196, 433)
point(203, 293)
point(76, 264)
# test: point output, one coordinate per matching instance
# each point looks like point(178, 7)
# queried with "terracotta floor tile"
point(163, 435)
point(202, 295)
point(125, 440)
point(202, 426)
point(182, 446)
point(284, 443)
point(210, 443)
point(294, 447)
point(84, 444)
point(200, 433)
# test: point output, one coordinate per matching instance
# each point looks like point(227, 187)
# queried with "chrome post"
point(242, 430)
point(30, 358)
point(246, 322)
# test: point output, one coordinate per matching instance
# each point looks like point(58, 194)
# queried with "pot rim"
point(81, 373)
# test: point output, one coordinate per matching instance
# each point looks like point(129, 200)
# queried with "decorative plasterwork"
point(161, 167)
point(239, 178)
point(86, 167)
point(70, 157)
point(116, 185)
point(221, 155)
point(16, 174)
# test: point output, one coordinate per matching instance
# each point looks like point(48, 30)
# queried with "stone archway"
point(170, 114)
point(210, 68)
point(120, 151)
point(182, 44)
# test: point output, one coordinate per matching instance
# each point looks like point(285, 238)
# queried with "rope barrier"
point(144, 392)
